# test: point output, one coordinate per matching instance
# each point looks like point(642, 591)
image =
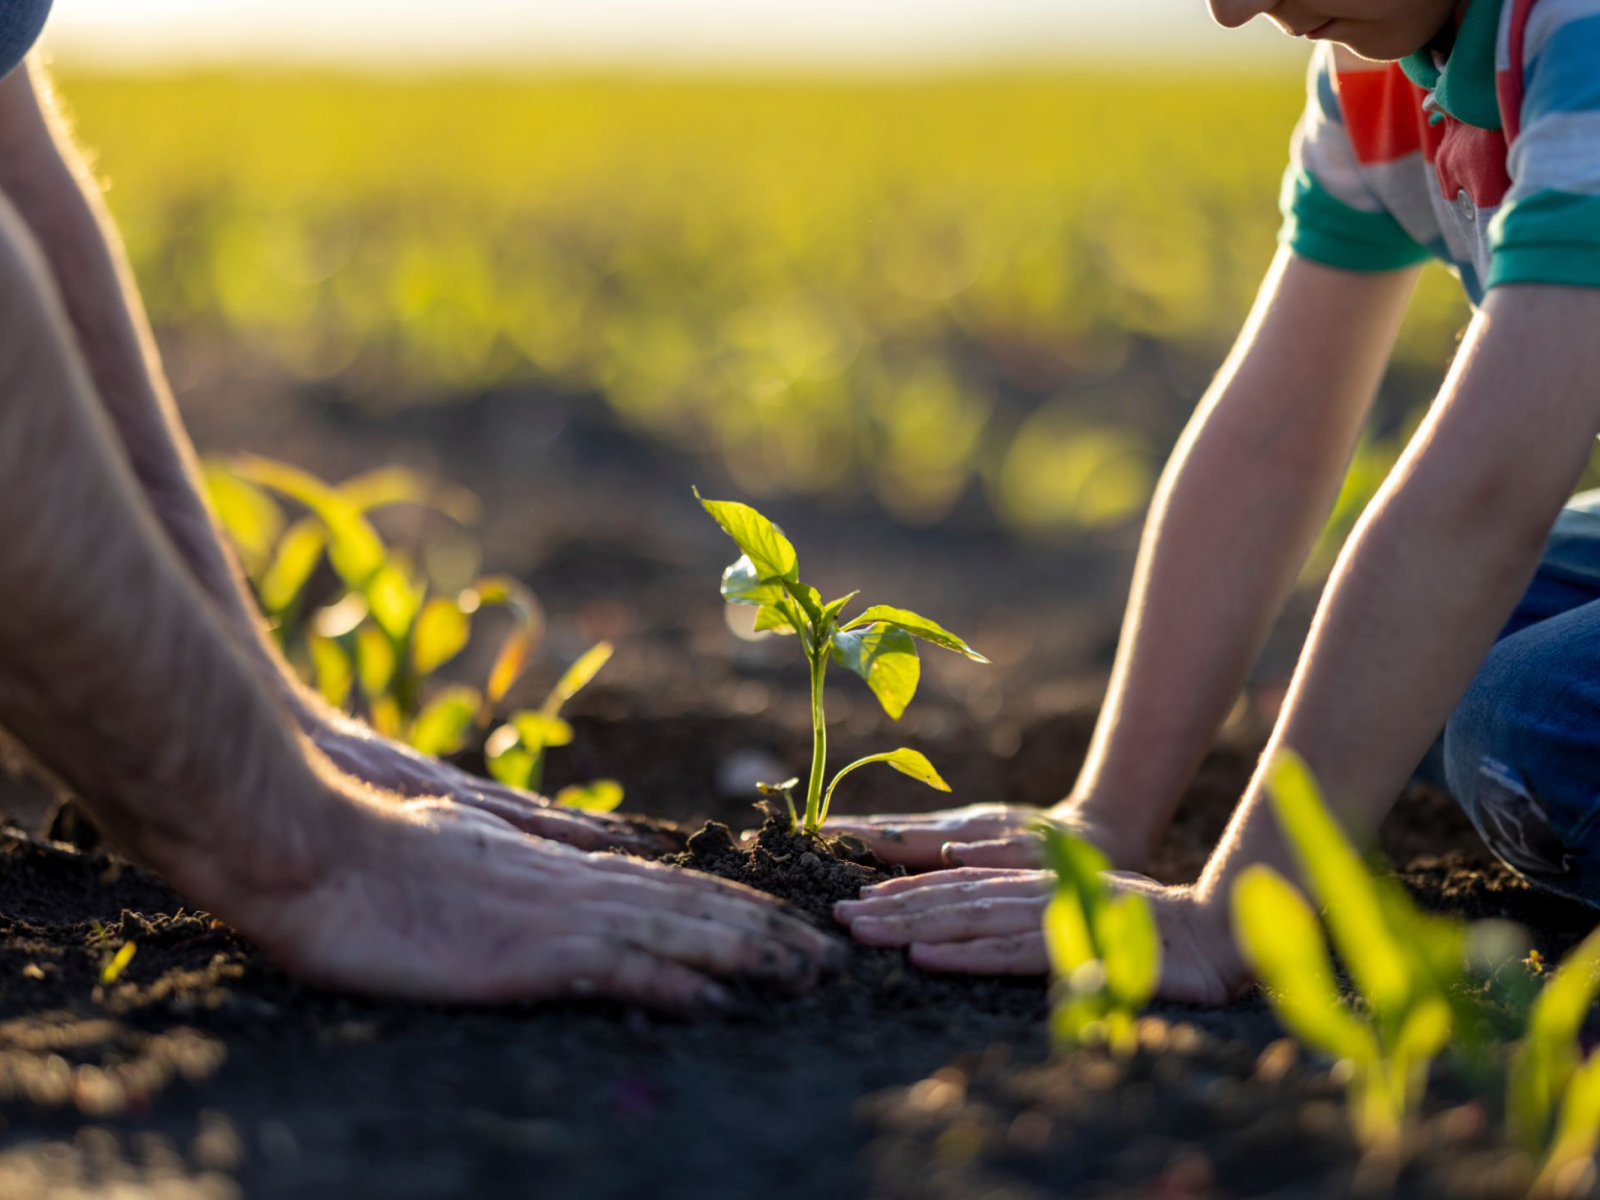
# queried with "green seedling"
point(376, 645)
point(1405, 964)
point(1105, 952)
point(1552, 1090)
point(880, 644)
point(516, 750)
point(116, 963)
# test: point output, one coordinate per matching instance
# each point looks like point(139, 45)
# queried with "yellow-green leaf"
point(331, 667)
point(1282, 939)
point(576, 677)
point(296, 557)
point(1370, 950)
point(770, 618)
point(537, 730)
point(1130, 947)
point(770, 553)
point(442, 629)
point(252, 518)
point(118, 964)
point(917, 626)
point(443, 725)
point(375, 661)
point(393, 600)
point(513, 767)
point(353, 545)
point(397, 485)
point(741, 584)
point(886, 658)
point(598, 796)
point(906, 761)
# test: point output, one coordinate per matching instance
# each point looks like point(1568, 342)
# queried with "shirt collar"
point(1463, 83)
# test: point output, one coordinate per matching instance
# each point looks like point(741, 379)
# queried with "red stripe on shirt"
point(1383, 115)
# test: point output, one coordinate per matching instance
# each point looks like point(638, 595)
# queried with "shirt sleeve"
point(1330, 215)
point(1548, 228)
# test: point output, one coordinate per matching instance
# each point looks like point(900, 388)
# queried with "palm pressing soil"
point(203, 1071)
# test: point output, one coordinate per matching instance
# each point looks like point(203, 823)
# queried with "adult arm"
point(1238, 506)
point(54, 193)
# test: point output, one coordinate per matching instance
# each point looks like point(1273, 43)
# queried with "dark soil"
point(203, 1071)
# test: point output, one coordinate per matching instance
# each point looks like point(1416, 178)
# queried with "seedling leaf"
point(513, 767)
point(1279, 934)
point(770, 553)
point(771, 618)
point(375, 661)
point(887, 659)
point(906, 761)
point(597, 796)
point(251, 517)
point(393, 601)
point(331, 666)
point(442, 727)
point(441, 631)
point(397, 485)
point(830, 610)
point(576, 677)
point(917, 626)
point(1131, 949)
point(1354, 913)
point(119, 963)
point(539, 730)
point(741, 584)
point(355, 548)
point(297, 556)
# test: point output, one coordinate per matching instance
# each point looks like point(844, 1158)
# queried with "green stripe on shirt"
point(1549, 237)
point(1319, 226)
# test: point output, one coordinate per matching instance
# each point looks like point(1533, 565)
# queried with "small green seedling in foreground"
point(1105, 952)
point(879, 645)
point(1404, 963)
point(1552, 1091)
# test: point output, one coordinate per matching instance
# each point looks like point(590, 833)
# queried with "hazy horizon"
point(665, 33)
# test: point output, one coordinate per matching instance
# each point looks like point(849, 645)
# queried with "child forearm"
point(1437, 563)
point(1238, 507)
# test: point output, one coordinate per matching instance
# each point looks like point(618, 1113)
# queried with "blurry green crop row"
point(826, 282)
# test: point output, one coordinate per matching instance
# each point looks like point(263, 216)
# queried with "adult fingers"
point(584, 965)
point(706, 945)
point(987, 918)
point(1019, 850)
point(756, 915)
point(574, 828)
point(1012, 954)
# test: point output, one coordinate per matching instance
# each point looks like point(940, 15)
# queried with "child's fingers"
point(1019, 850)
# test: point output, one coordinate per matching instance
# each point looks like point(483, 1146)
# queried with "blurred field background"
point(906, 289)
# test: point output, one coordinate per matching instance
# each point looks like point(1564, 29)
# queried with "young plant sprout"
point(515, 751)
point(377, 643)
point(1105, 952)
point(1405, 964)
point(880, 645)
point(1552, 1090)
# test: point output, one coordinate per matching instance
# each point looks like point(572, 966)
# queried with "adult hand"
point(362, 754)
point(979, 835)
point(990, 921)
point(435, 901)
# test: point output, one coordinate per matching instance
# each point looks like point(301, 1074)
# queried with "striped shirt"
point(1488, 158)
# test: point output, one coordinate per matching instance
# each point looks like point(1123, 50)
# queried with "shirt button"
point(1468, 209)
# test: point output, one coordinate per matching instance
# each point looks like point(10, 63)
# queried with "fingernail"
point(948, 853)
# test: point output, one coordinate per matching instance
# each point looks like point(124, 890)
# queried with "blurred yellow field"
point(811, 276)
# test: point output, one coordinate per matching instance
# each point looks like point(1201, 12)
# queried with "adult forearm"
point(56, 197)
point(1235, 514)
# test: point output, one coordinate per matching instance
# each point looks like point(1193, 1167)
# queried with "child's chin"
point(1379, 46)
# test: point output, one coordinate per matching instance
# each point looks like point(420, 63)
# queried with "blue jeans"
point(1522, 750)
